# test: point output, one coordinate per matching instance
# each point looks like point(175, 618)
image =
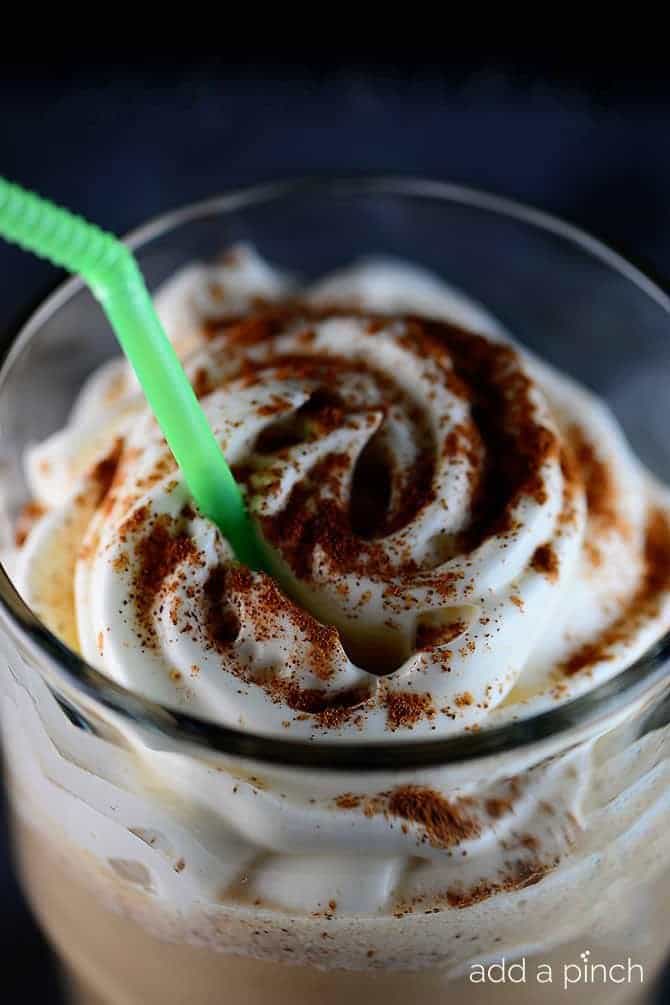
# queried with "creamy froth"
point(459, 534)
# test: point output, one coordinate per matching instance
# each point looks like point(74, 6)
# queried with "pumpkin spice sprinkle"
point(440, 514)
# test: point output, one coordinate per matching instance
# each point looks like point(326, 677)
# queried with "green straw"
point(111, 272)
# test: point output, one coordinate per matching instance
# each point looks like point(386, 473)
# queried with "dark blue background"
point(122, 143)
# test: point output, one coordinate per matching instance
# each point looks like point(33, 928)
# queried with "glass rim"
point(71, 677)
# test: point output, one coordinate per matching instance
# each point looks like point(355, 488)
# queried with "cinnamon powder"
point(160, 552)
point(104, 471)
point(445, 823)
point(26, 520)
point(601, 488)
point(545, 561)
point(644, 605)
point(405, 708)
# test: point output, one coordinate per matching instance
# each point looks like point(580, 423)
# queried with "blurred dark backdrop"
point(121, 138)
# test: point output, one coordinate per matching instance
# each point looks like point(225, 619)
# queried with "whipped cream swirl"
point(458, 533)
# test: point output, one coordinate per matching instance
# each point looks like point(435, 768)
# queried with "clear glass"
point(117, 894)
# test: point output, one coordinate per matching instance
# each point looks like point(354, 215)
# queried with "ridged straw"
point(112, 274)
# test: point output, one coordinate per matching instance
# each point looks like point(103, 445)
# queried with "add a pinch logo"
point(587, 970)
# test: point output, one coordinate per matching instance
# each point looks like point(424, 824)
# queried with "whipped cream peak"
point(459, 535)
